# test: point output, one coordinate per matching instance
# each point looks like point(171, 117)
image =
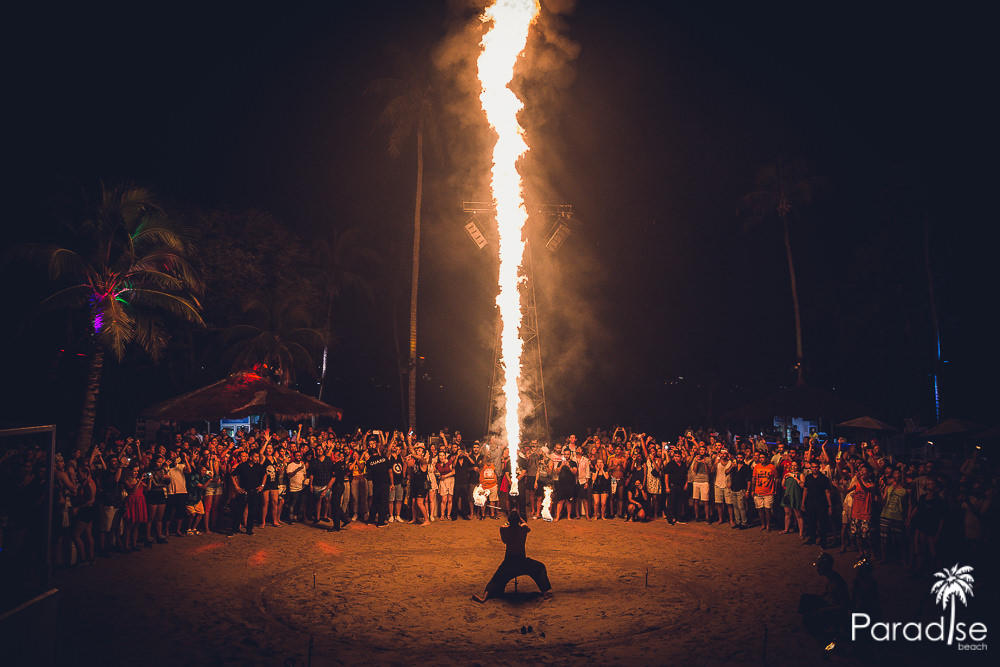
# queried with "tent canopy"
point(239, 395)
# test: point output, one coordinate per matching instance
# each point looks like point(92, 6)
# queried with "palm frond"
point(239, 331)
point(166, 262)
point(151, 337)
point(58, 261)
point(126, 204)
point(185, 307)
point(156, 231)
point(75, 296)
point(307, 336)
point(114, 326)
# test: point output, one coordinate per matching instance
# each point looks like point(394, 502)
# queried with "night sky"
point(660, 311)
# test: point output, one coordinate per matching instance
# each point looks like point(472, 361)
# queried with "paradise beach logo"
point(954, 585)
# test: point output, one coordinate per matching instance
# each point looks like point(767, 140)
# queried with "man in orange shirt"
point(488, 480)
point(762, 484)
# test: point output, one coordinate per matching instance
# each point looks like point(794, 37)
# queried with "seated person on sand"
point(515, 563)
point(826, 616)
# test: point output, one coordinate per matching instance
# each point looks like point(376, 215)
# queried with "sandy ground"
point(297, 595)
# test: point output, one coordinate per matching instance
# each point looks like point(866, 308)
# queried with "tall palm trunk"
point(399, 360)
point(326, 350)
point(799, 365)
point(415, 277)
point(89, 413)
point(934, 317)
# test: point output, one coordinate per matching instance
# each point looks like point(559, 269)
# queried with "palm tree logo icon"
point(955, 582)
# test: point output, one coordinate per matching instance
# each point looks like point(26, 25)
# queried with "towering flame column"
point(502, 44)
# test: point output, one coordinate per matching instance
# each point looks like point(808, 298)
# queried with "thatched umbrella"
point(868, 424)
point(993, 432)
point(952, 427)
point(239, 395)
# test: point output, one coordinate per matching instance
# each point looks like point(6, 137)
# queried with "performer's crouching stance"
point(515, 563)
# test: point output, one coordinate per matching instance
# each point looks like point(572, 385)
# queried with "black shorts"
point(177, 505)
point(529, 482)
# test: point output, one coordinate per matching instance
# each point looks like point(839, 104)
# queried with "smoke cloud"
point(569, 330)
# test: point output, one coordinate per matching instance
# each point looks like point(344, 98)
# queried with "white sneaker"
point(391, 519)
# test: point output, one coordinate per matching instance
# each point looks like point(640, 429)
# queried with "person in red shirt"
point(488, 480)
point(861, 510)
point(762, 485)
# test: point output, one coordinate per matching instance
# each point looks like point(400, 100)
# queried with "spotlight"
point(557, 236)
point(474, 233)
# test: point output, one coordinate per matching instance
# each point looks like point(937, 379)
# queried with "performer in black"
point(816, 500)
point(248, 481)
point(379, 474)
point(340, 475)
point(515, 562)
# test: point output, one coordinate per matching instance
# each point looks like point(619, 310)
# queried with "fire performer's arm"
point(514, 538)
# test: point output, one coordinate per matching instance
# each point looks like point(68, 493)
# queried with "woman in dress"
point(432, 482)
point(156, 498)
point(616, 469)
point(638, 502)
point(419, 485)
point(135, 505)
point(83, 537)
point(446, 482)
point(653, 469)
point(543, 480)
point(270, 497)
point(792, 499)
point(283, 457)
point(600, 485)
point(213, 490)
point(565, 485)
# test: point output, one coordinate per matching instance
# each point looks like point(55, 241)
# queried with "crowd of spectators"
point(124, 495)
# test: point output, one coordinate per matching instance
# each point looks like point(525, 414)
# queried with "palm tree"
point(127, 269)
point(956, 582)
point(340, 266)
point(409, 113)
point(938, 363)
point(275, 338)
point(782, 190)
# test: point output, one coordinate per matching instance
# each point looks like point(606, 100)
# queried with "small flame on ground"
point(547, 504)
point(502, 44)
point(207, 547)
point(328, 548)
point(258, 558)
